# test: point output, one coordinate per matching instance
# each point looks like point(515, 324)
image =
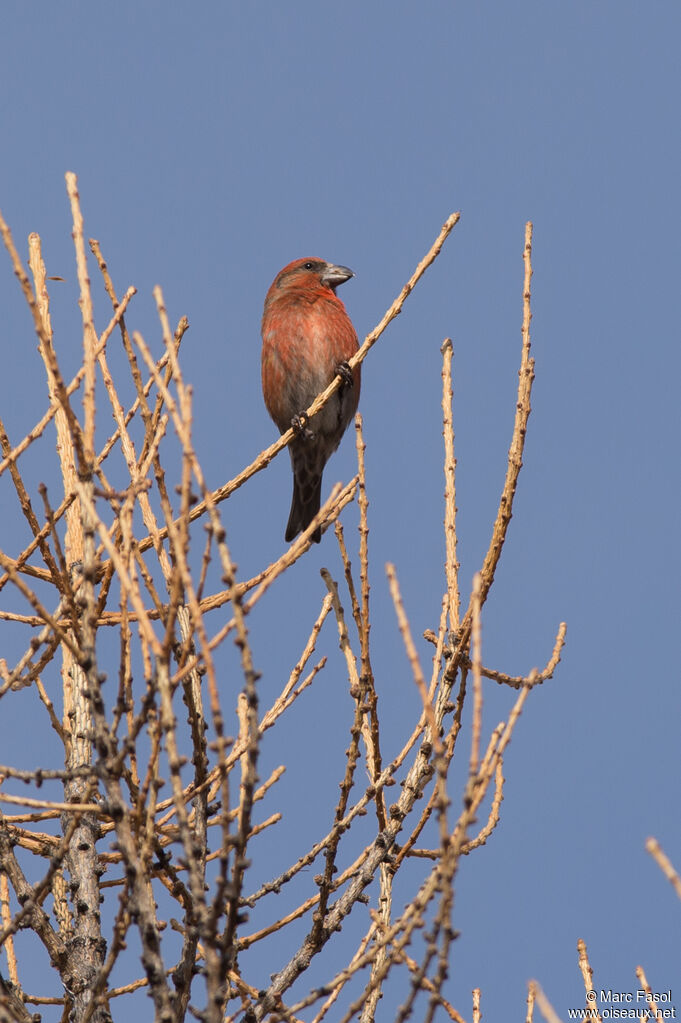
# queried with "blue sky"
point(213, 144)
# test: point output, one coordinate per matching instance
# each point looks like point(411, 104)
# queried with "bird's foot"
point(345, 373)
point(299, 424)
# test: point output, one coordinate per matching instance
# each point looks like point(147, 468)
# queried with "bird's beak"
point(334, 275)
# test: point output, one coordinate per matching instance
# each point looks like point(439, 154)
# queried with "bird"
point(307, 340)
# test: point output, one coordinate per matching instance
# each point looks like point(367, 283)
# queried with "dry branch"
point(155, 778)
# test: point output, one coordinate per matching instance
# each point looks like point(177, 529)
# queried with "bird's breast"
point(303, 343)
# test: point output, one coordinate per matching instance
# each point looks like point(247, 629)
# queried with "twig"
point(664, 863)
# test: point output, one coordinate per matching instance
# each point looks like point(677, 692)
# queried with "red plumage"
point(307, 336)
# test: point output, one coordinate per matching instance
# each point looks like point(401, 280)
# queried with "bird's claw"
point(299, 424)
point(345, 373)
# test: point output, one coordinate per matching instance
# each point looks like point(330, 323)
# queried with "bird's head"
point(307, 276)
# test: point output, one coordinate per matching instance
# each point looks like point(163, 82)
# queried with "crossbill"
point(307, 339)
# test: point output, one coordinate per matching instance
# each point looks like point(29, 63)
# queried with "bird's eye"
point(308, 266)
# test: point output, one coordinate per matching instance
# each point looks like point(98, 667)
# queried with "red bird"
point(307, 339)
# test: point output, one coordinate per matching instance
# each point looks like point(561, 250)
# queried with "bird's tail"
point(304, 506)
